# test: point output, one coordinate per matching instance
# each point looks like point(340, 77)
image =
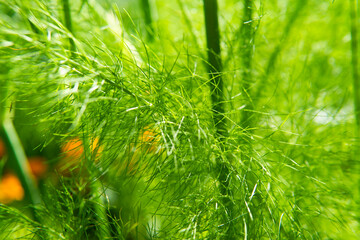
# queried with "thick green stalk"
point(214, 65)
point(356, 81)
point(18, 160)
point(148, 19)
point(247, 57)
point(355, 64)
point(68, 21)
point(218, 102)
point(97, 191)
point(17, 157)
point(100, 211)
point(253, 220)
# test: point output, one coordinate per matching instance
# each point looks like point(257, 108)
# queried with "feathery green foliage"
point(151, 121)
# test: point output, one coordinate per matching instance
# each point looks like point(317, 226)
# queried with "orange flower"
point(73, 152)
point(10, 189)
point(149, 139)
point(10, 185)
point(38, 166)
point(148, 144)
point(73, 148)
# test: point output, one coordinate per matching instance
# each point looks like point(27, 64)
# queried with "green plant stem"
point(214, 65)
point(356, 82)
point(97, 191)
point(247, 120)
point(68, 21)
point(247, 55)
point(19, 160)
point(355, 64)
point(145, 5)
point(218, 101)
point(100, 211)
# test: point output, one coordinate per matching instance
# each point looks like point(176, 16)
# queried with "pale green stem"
point(355, 63)
point(145, 4)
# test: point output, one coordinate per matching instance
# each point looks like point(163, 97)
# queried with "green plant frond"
point(259, 148)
